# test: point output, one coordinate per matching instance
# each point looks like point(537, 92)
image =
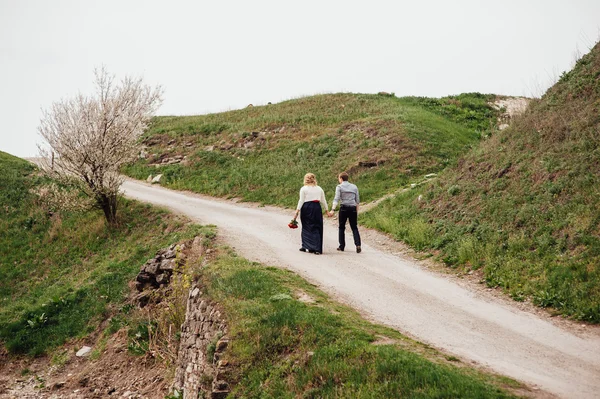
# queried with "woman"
point(311, 215)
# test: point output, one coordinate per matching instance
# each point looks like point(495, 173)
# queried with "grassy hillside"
point(524, 207)
point(261, 153)
point(61, 275)
point(285, 348)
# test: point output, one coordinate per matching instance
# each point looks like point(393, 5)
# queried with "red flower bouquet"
point(293, 224)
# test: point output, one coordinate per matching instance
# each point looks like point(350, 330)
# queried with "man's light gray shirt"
point(346, 194)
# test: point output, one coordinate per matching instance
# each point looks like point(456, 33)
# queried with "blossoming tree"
point(90, 137)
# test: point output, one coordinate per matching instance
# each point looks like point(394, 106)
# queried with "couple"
point(311, 215)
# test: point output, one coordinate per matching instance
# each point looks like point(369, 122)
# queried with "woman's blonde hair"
point(310, 179)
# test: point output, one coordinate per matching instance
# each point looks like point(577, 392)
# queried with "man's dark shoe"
point(340, 249)
point(358, 249)
point(302, 249)
point(317, 253)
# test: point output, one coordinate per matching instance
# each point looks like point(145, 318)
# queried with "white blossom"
point(92, 137)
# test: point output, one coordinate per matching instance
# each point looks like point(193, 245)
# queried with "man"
point(346, 194)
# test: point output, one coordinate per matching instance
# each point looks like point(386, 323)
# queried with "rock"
point(84, 351)
point(172, 161)
point(167, 265)
point(222, 373)
point(162, 278)
point(151, 268)
point(142, 298)
point(197, 245)
point(367, 164)
point(170, 254)
point(58, 385)
point(143, 154)
point(220, 385)
point(143, 277)
point(149, 179)
point(430, 175)
point(156, 179)
point(195, 292)
point(219, 394)
point(209, 148)
point(503, 126)
point(221, 345)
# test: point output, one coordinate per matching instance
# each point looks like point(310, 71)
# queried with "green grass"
point(285, 348)
point(470, 109)
point(383, 142)
point(524, 207)
point(61, 275)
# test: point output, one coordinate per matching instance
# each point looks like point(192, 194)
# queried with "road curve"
point(396, 292)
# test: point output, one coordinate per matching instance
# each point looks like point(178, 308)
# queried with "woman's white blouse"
point(312, 193)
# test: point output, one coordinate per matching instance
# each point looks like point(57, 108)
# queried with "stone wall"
point(200, 371)
point(203, 341)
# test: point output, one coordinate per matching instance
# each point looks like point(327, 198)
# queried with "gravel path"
point(396, 291)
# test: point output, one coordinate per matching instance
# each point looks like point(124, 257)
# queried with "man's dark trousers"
point(348, 213)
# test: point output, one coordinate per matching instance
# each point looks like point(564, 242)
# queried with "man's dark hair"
point(344, 176)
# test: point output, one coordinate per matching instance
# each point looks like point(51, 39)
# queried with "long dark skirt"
point(311, 217)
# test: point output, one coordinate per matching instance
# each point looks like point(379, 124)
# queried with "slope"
point(61, 273)
point(524, 207)
point(261, 153)
point(64, 275)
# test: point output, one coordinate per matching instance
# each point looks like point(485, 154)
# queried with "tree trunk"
point(108, 204)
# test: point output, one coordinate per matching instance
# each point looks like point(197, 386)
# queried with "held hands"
point(330, 213)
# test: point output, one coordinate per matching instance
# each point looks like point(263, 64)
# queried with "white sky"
point(215, 55)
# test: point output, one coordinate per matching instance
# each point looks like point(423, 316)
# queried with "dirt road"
point(397, 292)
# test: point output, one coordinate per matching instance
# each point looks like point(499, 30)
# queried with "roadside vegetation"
point(261, 153)
point(523, 207)
point(63, 273)
point(286, 348)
